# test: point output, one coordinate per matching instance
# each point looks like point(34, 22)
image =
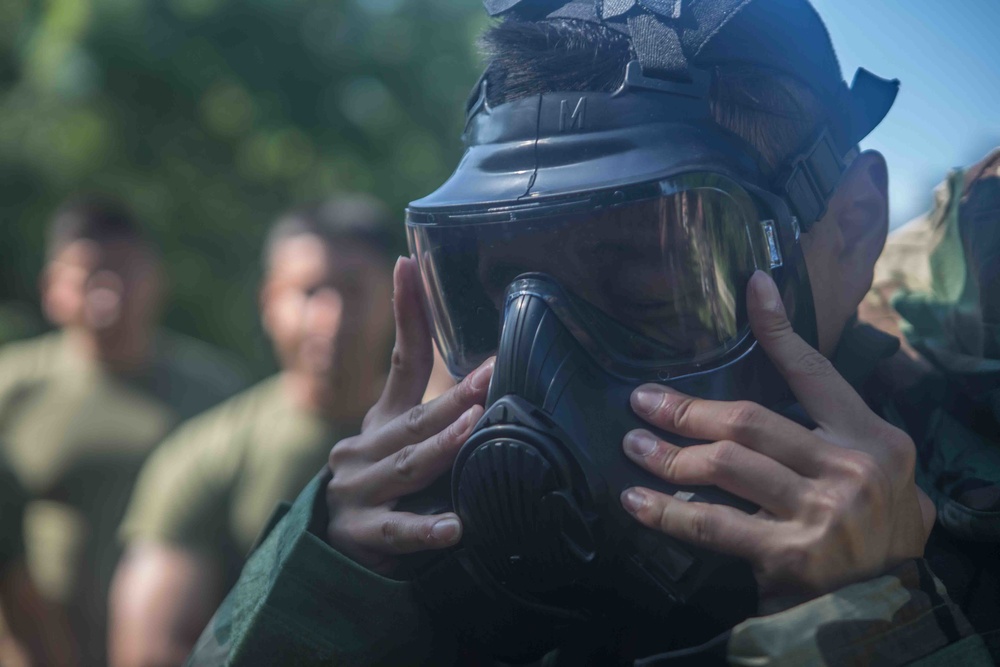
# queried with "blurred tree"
point(211, 116)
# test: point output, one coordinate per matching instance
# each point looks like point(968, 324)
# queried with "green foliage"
point(211, 116)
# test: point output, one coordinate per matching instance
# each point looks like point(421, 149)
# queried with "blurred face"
point(323, 306)
point(110, 289)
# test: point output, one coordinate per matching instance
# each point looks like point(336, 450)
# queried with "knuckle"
point(812, 364)
point(415, 418)
point(722, 456)
point(677, 413)
point(701, 527)
point(399, 360)
point(795, 560)
point(405, 462)
point(864, 481)
point(823, 500)
point(392, 534)
point(341, 452)
point(742, 418)
point(669, 462)
point(339, 487)
point(447, 438)
point(775, 323)
point(464, 392)
point(900, 448)
point(861, 468)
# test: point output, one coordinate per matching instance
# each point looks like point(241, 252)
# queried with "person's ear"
point(860, 212)
point(842, 247)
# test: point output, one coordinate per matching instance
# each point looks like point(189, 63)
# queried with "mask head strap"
point(675, 47)
point(812, 176)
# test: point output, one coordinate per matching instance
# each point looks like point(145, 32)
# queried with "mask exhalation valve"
point(522, 522)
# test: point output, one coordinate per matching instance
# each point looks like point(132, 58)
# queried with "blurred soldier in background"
point(209, 490)
point(81, 408)
point(937, 287)
point(38, 634)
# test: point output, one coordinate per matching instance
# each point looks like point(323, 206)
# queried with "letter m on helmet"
point(572, 120)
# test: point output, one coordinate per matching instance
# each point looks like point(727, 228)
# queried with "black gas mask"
point(594, 242)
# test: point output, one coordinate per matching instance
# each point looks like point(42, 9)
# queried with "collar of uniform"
point(861, 349)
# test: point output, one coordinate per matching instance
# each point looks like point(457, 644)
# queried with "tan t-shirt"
point(76, 436)
point(212, 486)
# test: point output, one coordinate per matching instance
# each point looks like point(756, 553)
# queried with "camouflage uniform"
point(938, 284)
point(76, 436)
point(300, 602)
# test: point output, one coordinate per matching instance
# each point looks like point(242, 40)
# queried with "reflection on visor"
point(671, 268)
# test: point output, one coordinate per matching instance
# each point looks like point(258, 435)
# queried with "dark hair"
point(775, 113)
point(354, 218)
point(96, 218)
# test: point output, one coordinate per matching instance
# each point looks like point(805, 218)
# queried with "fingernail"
point(640, 443)
point(481, 377)
point(633, 500)
point(765, 291)
point(447, 530)
point(462, 423)
point(646, 399)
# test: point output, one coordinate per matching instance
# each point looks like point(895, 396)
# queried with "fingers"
point(826, 396)
point(725, 464)
point(415, 467)
point(413, 354)
point(747, 423)
point(715, 527)
point(423, 421)
point(386, 533)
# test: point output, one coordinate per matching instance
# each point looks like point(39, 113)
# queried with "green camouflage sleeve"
point(902, 618)
point(300, 602)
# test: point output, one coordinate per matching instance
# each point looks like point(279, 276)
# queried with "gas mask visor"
point(650, 278)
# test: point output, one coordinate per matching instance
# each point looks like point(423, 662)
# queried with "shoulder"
point(215, 373)
point(201, 457)
point(231, 418)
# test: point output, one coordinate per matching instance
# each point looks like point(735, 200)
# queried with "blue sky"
point(947, 55)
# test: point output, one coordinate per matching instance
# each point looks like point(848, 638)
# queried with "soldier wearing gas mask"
point(645, 267)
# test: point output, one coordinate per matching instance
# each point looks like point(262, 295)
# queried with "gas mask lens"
point(656, 272)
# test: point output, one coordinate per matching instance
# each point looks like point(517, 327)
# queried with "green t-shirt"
point(213, 484)
point(13, 499)
point(76, 437)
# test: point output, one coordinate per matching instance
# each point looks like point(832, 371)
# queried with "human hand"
point(838, 503)
point(402, 448)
